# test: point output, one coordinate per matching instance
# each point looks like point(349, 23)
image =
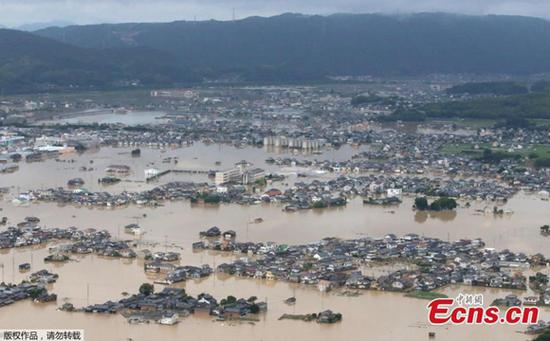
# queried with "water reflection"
point(444, 216)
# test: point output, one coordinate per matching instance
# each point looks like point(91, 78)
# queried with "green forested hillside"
point(294, 47)
point(284, 48)
point(32, 63)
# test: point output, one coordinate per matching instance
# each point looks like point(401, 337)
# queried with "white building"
point(393, 192)
point(230, 175)
point(239, 175)
point(293, 142)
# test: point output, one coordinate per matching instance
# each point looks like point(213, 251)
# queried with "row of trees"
point(529, 106)
point(440, 204)
point(495, 88)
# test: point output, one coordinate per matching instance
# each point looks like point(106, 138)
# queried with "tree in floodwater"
point(146, 289)
point(421, 203)
point(440, 204)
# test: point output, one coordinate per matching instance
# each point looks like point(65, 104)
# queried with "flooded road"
point(372, 315)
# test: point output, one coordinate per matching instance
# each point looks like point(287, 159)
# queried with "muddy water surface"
point(174, 226)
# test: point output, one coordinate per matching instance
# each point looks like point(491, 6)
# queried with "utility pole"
point(13, 268)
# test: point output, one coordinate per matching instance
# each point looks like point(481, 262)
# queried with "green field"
point(527, 106)
point(485, 123)
point(540, 122)
point(535, 151)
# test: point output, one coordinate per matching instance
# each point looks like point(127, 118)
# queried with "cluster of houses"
point(301, 195)
point(428, 263)
point(314, 119)
point(540, 284)
point(412, 162)
point(81, 241)
point(335, 192)
point(200, 119)
point(175, 302)
point(10, 293)
point(167, 192)
point(33, 288)
point(99, 243)
point(182, 273)
point(43, 277)
point(176, 274)
point(160, 256)
point(30, 234)
point(512, 300)
point(163, 263)
point(450, 153)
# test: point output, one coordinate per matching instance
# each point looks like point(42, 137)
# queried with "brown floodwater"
point(199, 156)
point(372, 315)
point(174, 226)
point(181, 221)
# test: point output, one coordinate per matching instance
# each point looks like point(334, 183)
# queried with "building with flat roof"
point(230, 175)
point(240, 175)
point(252, 175)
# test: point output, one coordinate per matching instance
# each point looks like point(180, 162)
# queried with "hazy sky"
point(18, 12)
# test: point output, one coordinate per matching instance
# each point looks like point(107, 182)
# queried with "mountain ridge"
point(338, 44)
point(285, 48)
point(33, 63)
